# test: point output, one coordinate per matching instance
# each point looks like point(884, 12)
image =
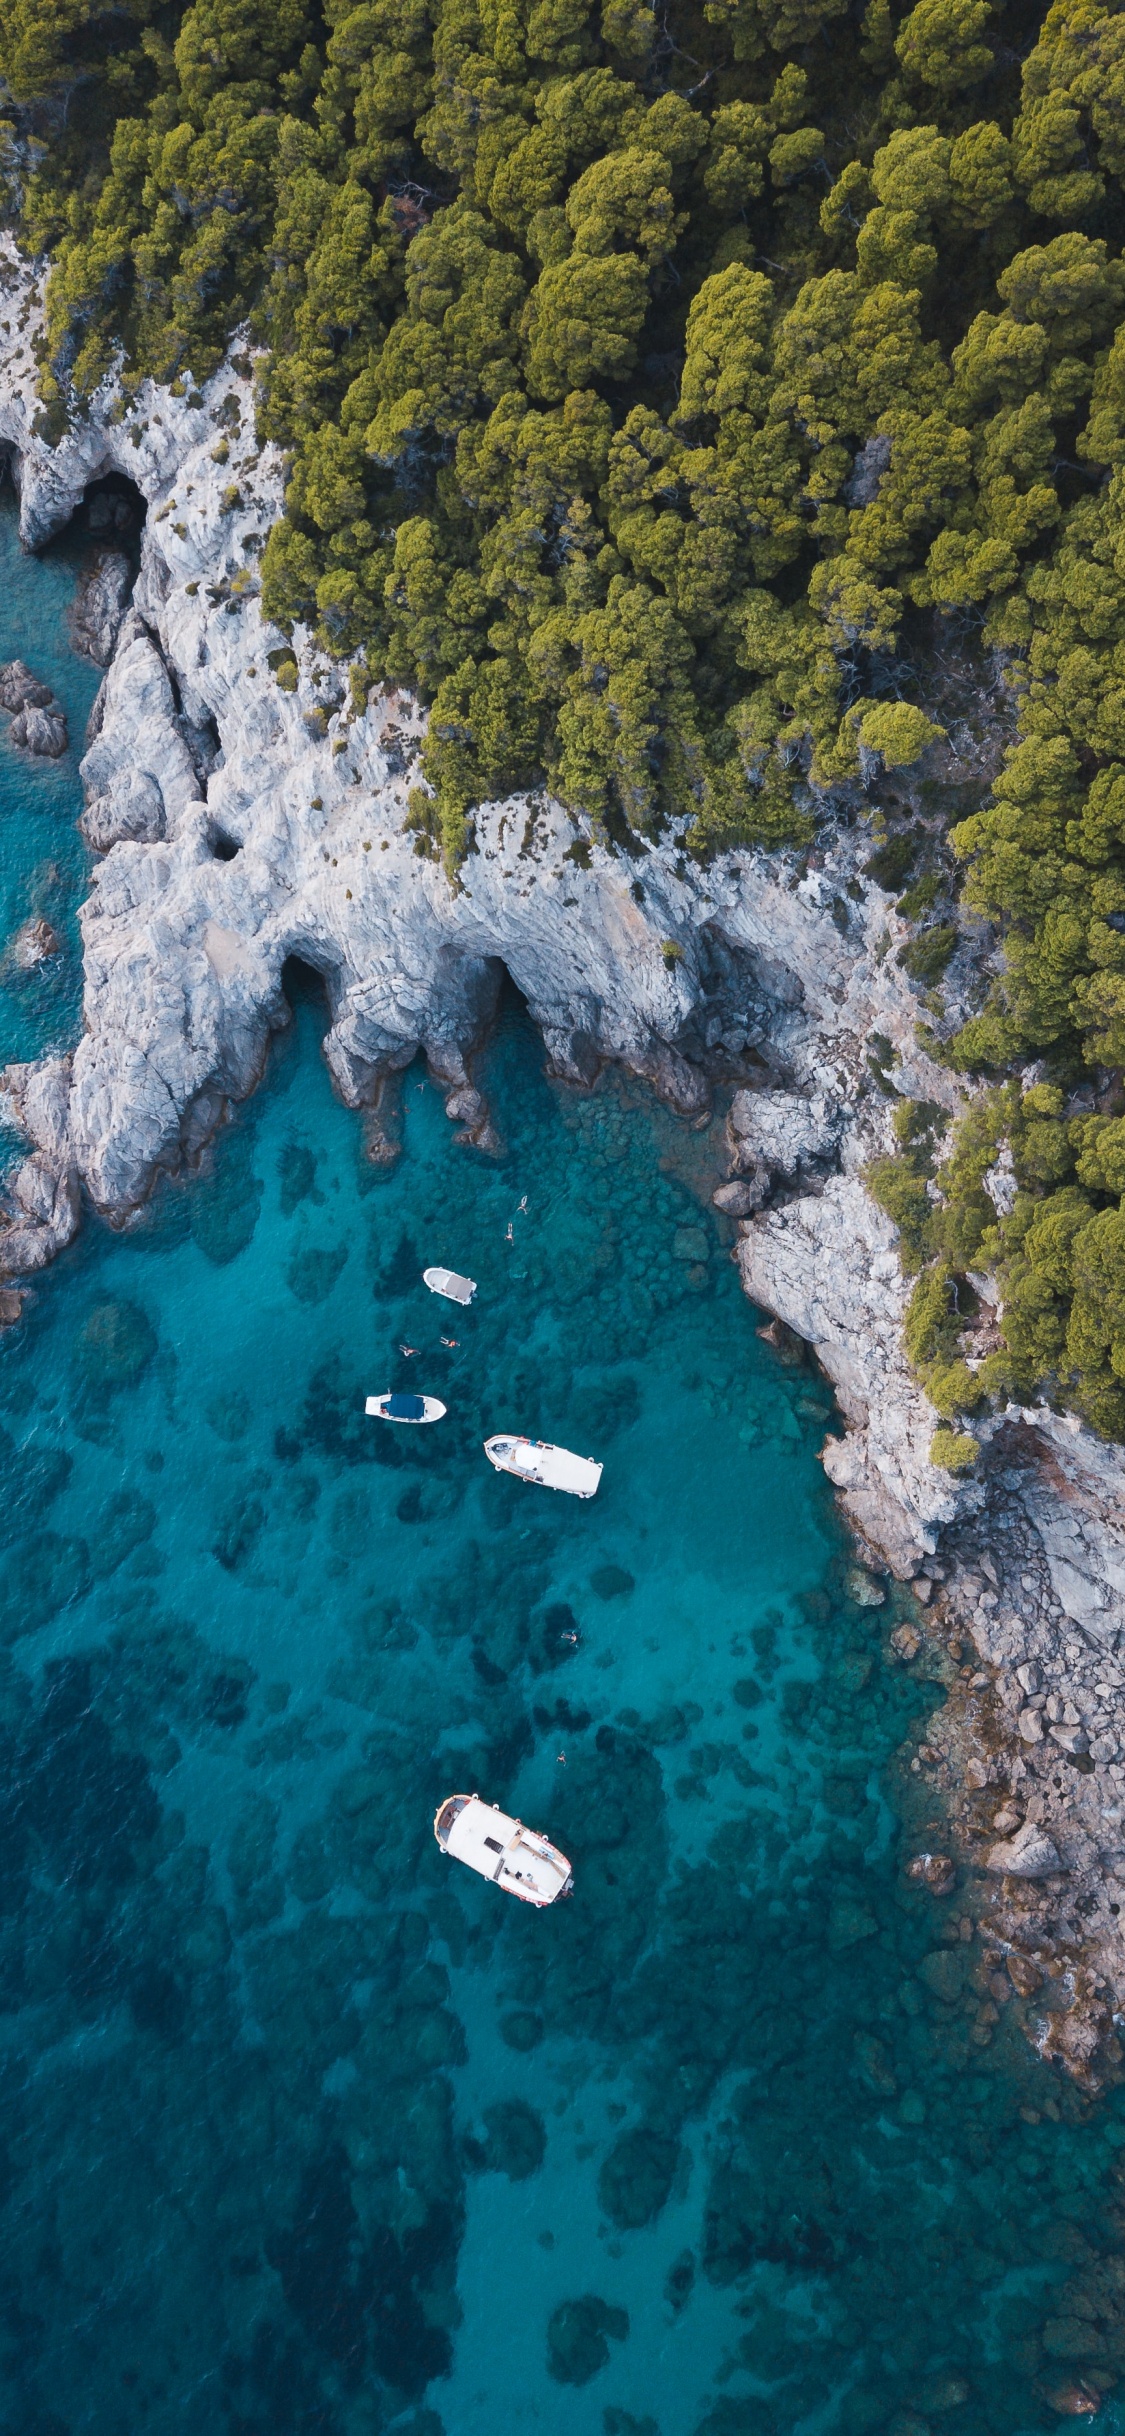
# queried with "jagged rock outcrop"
point(828, 1265)
point(44, 1194)
point(99, 606)
point(39, 720)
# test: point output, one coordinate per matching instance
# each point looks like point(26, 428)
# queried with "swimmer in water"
point(522, 1207)
point(452, 1342)
point(408, 1350)
point(509, 1237)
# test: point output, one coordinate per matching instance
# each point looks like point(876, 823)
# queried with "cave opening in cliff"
point(223, 846)
point(112, 512)
point(305, 985)
point(508, 999)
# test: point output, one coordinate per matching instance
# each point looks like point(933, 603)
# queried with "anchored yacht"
point(502, 1849)
point(553, 1467)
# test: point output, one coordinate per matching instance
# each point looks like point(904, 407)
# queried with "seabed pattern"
point(304, 2131)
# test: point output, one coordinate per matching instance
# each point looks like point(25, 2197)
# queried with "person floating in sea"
point(510, 1236)
point(452, 1342)
point(522, 1207)
point(408, 1350)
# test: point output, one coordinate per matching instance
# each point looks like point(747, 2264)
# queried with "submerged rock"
point(943, 1973)
point(578, 2338)
point(516, 2142)
point(522, 2030)
point(1074, 2399)
point(637, 2176)
point(115, 1344)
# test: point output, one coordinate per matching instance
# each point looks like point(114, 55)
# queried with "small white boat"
point(502, 1849)
point(446, 1281)
point(404, 1408)
point(553, 1467)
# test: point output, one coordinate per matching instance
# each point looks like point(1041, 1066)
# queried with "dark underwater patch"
point(225, 1203)
point(296, 1169)
point(637, 2176)
point(611, 1582)
point(114, 1347)
point(313, 1272)
point(515, 2143)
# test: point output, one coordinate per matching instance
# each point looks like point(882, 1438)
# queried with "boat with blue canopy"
point(402, 1407)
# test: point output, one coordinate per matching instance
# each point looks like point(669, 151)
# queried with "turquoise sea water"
point(304, 2131)
point(43, 862)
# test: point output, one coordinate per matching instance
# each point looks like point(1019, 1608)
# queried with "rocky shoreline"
point(247, 811)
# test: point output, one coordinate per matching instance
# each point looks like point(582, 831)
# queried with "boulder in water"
point(933, 1870)
point(743, 1195)
point(38, 718)
point(32, 944)
point(20, 690)
point(43, 732)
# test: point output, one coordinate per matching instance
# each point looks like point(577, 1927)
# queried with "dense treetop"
point(660, 383)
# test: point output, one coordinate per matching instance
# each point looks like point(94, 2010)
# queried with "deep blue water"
point(303, 2130)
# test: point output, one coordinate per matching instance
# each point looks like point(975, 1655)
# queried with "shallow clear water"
point(43, 862)
point(304, 2128)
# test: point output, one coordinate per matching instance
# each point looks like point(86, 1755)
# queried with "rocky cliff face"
point(240, 824)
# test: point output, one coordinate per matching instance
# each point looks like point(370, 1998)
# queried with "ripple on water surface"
point(307, 2132)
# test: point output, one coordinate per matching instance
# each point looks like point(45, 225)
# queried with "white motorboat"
point(404, 1408)
point(553, 1467)
point(511, 1855)
point(446, 1281)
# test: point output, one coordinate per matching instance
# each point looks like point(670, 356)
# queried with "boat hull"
point(546, 1467)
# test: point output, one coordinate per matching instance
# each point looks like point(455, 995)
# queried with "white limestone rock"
point(828, 1266)
point(783, 1131)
